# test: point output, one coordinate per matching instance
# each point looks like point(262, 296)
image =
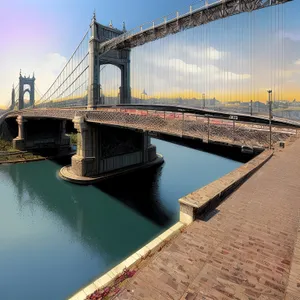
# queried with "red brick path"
point(244, 251)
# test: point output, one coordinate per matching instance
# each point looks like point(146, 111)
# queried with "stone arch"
point(27, 91)
point(110, 80)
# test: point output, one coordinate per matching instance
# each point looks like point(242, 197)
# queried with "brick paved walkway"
point(244, 251)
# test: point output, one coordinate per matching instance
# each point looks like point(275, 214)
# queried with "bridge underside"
point(213, 12)
point(41, 134)
point(104, 151)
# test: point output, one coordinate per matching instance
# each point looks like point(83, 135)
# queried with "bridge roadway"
point(69, 112)
point(206, 125)
point(249, 248)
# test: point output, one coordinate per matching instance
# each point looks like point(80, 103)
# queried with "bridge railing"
point(206, 128)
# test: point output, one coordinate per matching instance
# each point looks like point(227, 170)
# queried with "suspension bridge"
point(165, 77)
point(139, 80)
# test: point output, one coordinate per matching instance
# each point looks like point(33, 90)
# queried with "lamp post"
point(270, 118)
point(203, 98)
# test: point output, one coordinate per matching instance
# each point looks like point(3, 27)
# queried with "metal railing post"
point(233, 127)
point(182, 123)
point(270, 118)
point(208, 129)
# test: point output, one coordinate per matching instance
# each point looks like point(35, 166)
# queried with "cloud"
point(180, 66)
point(195, 52)
point(294, 36)
point(297, 62)
point(209, 53)
point(213, 71)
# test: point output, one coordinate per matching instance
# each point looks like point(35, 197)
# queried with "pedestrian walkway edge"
point(205, 199)
point(150, 249)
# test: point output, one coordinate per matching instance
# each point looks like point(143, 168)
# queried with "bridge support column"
point(83, 163)
point(94, 69)
point(19, 141)
point(125, 90)
point(13, 99)
point(21, 94)
point(104, 152)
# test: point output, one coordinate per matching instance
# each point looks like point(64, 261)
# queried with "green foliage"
point(5, 145)
point(73, 137)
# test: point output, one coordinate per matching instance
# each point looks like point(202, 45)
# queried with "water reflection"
point(141, 192)
point(77, 206)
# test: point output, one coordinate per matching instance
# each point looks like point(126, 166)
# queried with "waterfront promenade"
point(247, 248)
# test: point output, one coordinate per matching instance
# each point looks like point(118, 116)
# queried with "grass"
point(6, 146)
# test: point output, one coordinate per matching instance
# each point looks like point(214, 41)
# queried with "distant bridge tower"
point(118, 58)
point(22, 82)
point(13, 98)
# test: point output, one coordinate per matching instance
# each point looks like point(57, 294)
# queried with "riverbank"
point(246, 248)
point(9, 155)
point(110, 282)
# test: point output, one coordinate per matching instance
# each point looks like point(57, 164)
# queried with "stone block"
point(19, 144)
point(187, 214)
point(83, 166)
point(154, 245)
point(151, 153)
point(176, 227)
point(103, 281)
point(143, 252)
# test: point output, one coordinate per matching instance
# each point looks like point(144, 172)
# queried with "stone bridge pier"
point(42, 134)
point(105, 151)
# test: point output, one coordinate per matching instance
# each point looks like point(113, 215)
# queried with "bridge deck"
point(247, 249)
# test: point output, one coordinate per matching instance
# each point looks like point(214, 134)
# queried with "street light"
point(270, 118)
point(203, 98)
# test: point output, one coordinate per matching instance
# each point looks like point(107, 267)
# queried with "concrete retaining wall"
point(204, 199)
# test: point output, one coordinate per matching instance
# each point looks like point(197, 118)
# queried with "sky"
point(40, 36)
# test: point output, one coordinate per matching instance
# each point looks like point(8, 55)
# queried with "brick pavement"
point(243, 250)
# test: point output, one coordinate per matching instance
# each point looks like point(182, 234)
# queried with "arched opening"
point(110, 83)
point(27, 94)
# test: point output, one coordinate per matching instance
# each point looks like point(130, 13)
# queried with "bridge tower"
point(118, 58)
point(22, 82)
point(13, 98)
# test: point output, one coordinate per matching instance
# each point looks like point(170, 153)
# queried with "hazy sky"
point(39, 36)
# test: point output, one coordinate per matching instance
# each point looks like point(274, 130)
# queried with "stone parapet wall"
point(204, 199)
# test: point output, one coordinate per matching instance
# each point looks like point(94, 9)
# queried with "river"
point(56, 237)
